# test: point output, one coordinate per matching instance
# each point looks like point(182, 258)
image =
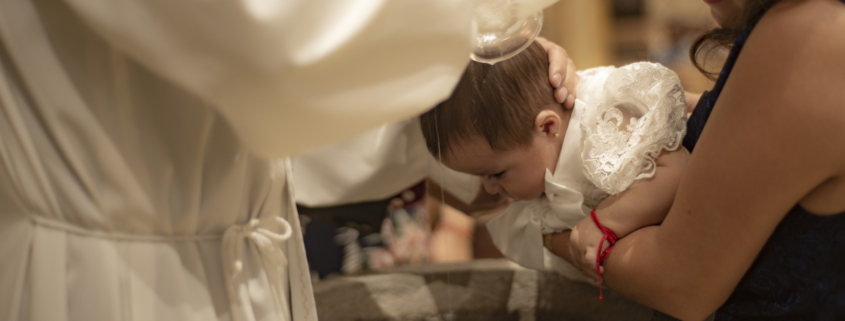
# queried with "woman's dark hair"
point(496, 102)
point(724, 37)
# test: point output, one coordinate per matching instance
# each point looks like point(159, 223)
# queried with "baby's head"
point(501, 123)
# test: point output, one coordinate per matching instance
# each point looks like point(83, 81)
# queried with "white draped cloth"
point(127, 188)
point(374, 166)
point(623, 119)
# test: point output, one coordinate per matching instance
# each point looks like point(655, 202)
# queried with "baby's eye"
point(497, 175)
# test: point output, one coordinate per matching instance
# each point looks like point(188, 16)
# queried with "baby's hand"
point(583, 247)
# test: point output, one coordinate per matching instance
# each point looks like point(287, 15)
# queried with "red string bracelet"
point(611, 238)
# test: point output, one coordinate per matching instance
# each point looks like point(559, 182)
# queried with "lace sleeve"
point(641, 112)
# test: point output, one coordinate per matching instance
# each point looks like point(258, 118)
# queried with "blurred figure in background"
point(376, 180)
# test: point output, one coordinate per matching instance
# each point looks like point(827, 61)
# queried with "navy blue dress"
point(800, 272)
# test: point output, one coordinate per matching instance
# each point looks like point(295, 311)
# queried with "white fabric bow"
point(266, 235)
point(518, 232)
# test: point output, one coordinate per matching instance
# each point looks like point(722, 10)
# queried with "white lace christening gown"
point(622, 120)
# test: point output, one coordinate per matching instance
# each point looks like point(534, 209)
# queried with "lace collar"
point(569, 168)
point(518, 232)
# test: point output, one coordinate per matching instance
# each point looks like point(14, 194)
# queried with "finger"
point(574, 255)
point(571, 84)
point(591, 273)
point(570, 102)
point(577, 258)
point(590, 261)
point(558, 63)
point(543, 42)
point(561, 94)
point(571, 80)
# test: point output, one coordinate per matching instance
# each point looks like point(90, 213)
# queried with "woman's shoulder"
point(811, 10)
point(808, 26)
point(812, 54)
point(797, 53)
point(788, 80)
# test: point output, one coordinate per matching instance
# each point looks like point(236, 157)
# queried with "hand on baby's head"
point(488, 127)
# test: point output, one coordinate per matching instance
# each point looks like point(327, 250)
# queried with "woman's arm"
point(646, 202)
point(775, 134)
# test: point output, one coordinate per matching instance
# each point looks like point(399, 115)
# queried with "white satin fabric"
point(574, 188)
point(314, 70)
point(122, 197)
point(127, 191)
point(374, 166)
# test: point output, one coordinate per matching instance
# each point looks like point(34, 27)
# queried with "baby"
point(616, 152)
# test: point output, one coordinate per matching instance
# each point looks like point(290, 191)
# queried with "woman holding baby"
point(757, 226)
point(132, 188)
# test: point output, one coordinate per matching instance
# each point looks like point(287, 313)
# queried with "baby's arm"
point(646, 202)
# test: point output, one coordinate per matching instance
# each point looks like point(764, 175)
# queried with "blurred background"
point(617, 32)
point(412, 226)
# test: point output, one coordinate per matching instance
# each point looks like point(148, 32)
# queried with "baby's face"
point(518, 173)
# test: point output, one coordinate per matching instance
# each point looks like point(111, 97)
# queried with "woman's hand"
point(583, 247)
point(561, 73)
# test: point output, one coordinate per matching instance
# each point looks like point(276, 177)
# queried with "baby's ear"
point(548, 123)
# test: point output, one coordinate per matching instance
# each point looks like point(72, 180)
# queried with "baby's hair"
point(498, 102)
